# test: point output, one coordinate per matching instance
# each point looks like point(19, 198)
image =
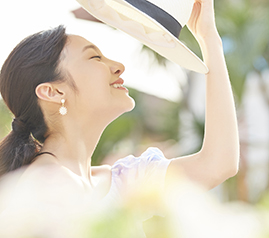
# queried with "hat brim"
point(155, 36)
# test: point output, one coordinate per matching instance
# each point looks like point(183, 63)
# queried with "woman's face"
point(94, 76)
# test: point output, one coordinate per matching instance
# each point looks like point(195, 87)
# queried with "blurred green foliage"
point(118, 224)
point(5, 119)
point(244, 28)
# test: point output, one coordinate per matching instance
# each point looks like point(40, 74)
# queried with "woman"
point(49, 71)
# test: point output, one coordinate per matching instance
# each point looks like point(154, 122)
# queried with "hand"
point(202, 20)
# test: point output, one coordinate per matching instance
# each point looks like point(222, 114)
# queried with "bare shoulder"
point(51, 176)
point(47, 183)
point(48, 193)
point(8, 183)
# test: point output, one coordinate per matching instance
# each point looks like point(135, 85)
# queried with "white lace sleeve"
point(136, 175)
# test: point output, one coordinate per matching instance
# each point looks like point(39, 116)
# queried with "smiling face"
point(100, 91)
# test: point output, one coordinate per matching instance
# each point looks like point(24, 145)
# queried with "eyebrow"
point(90, 47)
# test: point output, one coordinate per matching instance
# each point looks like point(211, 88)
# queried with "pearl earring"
point(63, 109)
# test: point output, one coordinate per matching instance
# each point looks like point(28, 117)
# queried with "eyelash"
point(97, 56)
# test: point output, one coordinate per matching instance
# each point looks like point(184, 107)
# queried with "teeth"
point(117, 85)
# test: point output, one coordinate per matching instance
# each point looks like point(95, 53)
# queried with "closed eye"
point(97, 56)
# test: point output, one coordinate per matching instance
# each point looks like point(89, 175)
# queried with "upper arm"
point(200, 168)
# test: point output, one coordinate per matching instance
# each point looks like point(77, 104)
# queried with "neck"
point(74, 146)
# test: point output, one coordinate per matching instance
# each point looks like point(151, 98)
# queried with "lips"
point(119, 81)
point(118, 84)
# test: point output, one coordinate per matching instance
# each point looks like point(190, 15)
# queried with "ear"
point(49, 92)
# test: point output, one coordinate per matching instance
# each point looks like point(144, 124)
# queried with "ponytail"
point(33, 61)
point(17, 151)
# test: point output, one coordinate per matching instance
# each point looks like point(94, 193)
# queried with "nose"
point(117, 68)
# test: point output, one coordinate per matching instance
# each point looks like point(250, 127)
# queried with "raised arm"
point(219, 157)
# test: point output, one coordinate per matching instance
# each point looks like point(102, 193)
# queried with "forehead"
point(75, 47)
point(75, 40)
point(74, 50)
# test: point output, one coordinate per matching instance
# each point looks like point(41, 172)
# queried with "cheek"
point(91, 71)
point(99, 73)
point(95, 78)
point(93, 85)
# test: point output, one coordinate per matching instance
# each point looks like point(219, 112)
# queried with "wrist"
point(210, 39)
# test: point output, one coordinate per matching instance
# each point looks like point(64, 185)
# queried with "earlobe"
point(47, 92)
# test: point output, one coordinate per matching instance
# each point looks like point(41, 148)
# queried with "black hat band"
point(159, 15)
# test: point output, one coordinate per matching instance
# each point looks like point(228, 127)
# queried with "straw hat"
point(155, 23)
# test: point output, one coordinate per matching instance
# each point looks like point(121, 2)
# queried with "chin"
point(127, 106)
point(132, 105)
point(120, 107)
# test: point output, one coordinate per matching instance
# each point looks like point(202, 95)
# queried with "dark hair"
point(33, 61)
